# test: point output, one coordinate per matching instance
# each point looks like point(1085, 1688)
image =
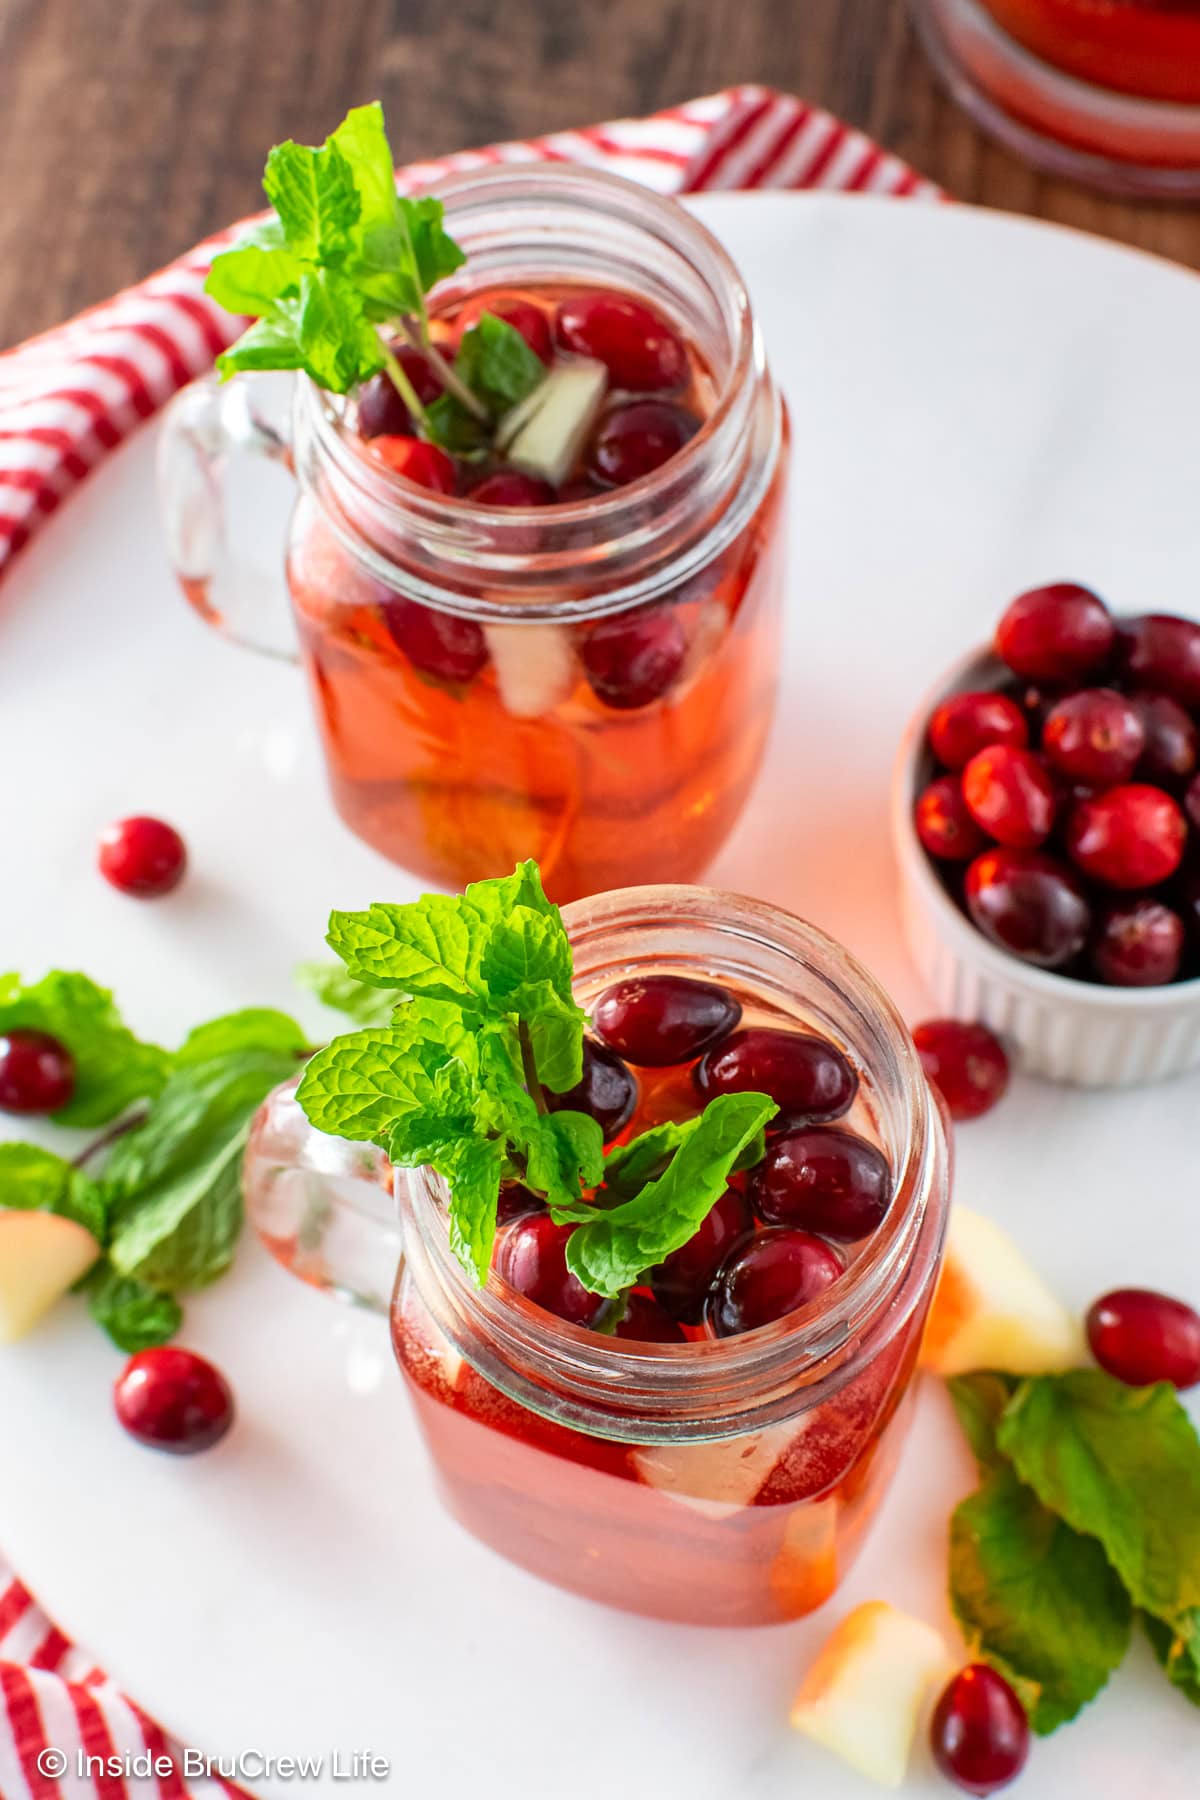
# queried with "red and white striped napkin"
point(74, 393)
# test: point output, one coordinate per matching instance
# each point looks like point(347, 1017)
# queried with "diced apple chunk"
point(993, 1311)
point(864, 1696)
point(545, 433)
point(535, 666)
point(41, 1256)
point(716, 1478)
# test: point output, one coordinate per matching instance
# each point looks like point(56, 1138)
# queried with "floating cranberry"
point(1009, 794)
point(142, 856)
point(1171, 740)
point(1057, 633)
point(682, 1282)
point(634, 658)
point(944, 823)
point(638, 348)
point(1095, 736)
point(607, 1091)
point(1137, 943)
point(823, 1180)
point(979, 1732)
point(773, 1274)
point(173, 1400)
point(509, 487)
point(381, 410)
point(1130, 837)
point(634, 440)
point(808, 1078)
point(964, 724)
point(516, 1201)
point(37, 1073)
point(522, 315)
point(425, 465)
point(1140, 1337)
point(1160, 652)
point(646, 1322)
point(659, 1020)
point(439, 644)
point(1029, 903)
point(531, 1255)
point(966, 1063)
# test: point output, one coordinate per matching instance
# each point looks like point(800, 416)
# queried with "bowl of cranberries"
point(1047, 823)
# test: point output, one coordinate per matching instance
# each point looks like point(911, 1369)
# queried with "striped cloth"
point(72, 394)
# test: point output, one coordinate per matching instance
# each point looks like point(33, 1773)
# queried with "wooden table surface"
point(130, 128)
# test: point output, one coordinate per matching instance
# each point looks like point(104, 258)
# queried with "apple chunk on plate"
point(993, 1311)
point(41, 1256)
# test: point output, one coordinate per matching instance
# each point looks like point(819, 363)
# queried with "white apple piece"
point(544, 434)
point(534, 664)
point(864, 1696)
point(716, 1478)
point(41, 1256)
point(993, 1311)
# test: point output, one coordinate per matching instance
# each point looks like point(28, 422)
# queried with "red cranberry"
point(173, 1400)
point(607, 1091)
point(807, 1077)
point(772, 1274)
point(1191, 802)
point(633, 659)
point(966, 1063)
point(659, 1020)
point(944, 823)
point(509, 487)
point(439, 644)
point(634, 440)
point(967, 723)
point(532, 1257)
point(142, 856)
point(1095, 736)
point(1137, 943)
point(1161, 652)
point(1130, 837)
point(1009, 793)
point(426, 465)
point(824, 1180)
point(381, 411)
point(37, 1073)
point(1030, 904)
point(1171, 741)
point(1057, 633)
point(638, 348)
point(646, 1322)
point(1140, 1337)
point(522, 315)
point(979, 1732)
point(681, 1283)
point(515, 1201)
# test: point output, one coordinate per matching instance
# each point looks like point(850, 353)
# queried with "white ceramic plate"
point(979, 404)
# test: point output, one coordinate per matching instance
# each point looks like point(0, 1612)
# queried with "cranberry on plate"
point(1140, 1337)
point(966, 1063)
point(656, 1021)
point(142, 856)
point(773, 1274)
point(173, 1400)
point(1029, 903)
point(1128, 837)
point(979, 1732)
point(1010, 795)
point(1057, 633)
point(37, 1073)
point(964, 724)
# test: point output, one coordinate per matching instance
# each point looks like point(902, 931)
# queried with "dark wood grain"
point(130, 128)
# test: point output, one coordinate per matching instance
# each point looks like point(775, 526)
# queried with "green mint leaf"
point(338, 990)
point(270, 343)
point(113, 1068)
point(136, 1317)
point(339, 344)
point(979, 1401)
point(449, 425)
point(314, 193)
point(1178, 1653)
point(497, 364)
point(613, 1250)
point(367, 1084)
point(255, 273)
point(1036, 1599)
point(630, 1166)
point(36, 1180)
point(472, 1171)
point(1122, 1465)
point(435, 254)
point(253, 1028)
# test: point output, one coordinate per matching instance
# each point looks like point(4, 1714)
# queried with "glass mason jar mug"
point(588, 683)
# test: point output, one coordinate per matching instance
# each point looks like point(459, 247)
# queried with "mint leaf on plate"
point(336, 988)
point(113, 1068)
point(1178, 1653)
point(979, 1401)
point(136, 1317)
point(253, 1028)
point(36, 1180)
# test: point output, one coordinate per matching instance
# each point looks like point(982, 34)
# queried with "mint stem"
point(529, 1068)
point(110, 1136)
point(403, 385)
point(417, 333)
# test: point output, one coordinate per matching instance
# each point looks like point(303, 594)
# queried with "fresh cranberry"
point(439, 644)
point(1095, 736)
point(824, 1180)
point(638, 348)
point(515, 1201)
point(967, 723)
point(1137, 943)
point(1130, 837)
point(426, 465)
point(979, 1732)
point(681, 1283)
point(1057, 633)
point(633, 659)
point(1191, 802)
point(509, 487)
point(381, 410)
point(772, 1274)
point(531, 1256)
point(173, 1400)
point(966, 1063)
point(1162, 653)
point(1029, 903)
point(944, 823)
point(646, 1322)
point(1171, 740)
point(634, 440)
point(37, 1073)
point(809, 1079)
point(142, 856)
point(1009, 793)
point(524, 317)
point(1140, 1337)
point(659, 1020)
point(607, 1091)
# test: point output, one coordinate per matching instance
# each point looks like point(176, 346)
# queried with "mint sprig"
point(113, 1068)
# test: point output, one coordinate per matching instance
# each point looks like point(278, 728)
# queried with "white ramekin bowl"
point(1058, 1027)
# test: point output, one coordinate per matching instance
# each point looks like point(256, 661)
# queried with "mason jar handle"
point(216, 437)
